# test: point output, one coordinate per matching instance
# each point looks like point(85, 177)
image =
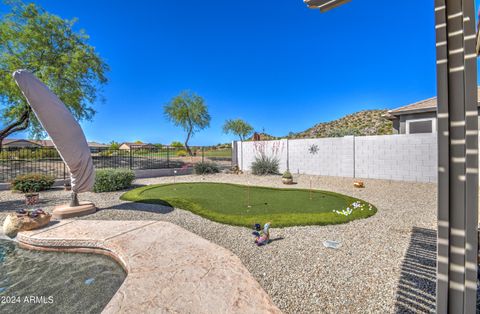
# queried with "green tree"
point(176, 144)
point(114, 145)
point(238, 127)
point(188, 110)
point(46, 45)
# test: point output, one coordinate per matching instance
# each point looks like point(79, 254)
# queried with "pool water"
point(54, 282)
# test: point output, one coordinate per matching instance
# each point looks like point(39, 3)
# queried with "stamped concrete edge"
point(34, 240)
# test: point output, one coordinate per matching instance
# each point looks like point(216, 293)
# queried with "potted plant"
point(287, 178)
point(31, 198)
point(31, 184)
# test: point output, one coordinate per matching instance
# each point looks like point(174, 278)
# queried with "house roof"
point(9, 141)
point(136, 144)
point(45, 143)
point(427, 105)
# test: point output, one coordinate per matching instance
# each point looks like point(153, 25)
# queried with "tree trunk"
point(19, 125)
point(189, 134)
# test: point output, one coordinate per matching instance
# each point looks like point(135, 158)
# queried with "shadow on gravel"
point(160, 208)
point(12, 205)
point(417, 285)
point(276, 239)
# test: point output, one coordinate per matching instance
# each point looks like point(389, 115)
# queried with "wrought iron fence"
point(46, 160)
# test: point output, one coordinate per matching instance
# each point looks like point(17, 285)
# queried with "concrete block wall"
point(406, 157)
point(323, 156)
point(249, 150)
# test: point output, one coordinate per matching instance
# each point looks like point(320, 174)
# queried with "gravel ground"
point(298, 272)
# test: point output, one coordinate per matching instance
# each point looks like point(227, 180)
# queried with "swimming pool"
point(55, 282)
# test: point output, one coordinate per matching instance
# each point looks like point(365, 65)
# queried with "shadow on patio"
point(417, 285)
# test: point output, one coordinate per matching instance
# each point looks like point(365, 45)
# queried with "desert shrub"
point(105, 153)
point(109, 180)
point(206, 168)
point(26, 153)
point(264, 165)
point(32, 182)
point(6, 155)
point(181, 153)
point(343, 132)
point(287, 175)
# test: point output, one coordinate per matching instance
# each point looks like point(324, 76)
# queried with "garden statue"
point(67, 137)
point(262, 236)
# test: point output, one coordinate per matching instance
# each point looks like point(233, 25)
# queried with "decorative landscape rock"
point(236, 170)
point(358, 184)
point(24, 221)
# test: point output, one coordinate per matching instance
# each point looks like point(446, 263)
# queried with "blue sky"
point(278, 65)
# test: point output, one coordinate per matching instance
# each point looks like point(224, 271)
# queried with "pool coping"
point(168, 268)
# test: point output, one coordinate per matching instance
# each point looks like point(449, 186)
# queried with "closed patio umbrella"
point(65, 132)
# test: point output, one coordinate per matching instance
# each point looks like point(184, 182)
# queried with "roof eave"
point(413, 111)
point(324, 5)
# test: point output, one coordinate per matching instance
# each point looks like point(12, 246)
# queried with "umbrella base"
point(67, 211)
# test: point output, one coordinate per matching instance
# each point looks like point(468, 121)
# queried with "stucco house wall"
point(424, 109)
point(402, 122)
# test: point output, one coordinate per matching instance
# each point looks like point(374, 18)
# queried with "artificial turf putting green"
point(243, 206)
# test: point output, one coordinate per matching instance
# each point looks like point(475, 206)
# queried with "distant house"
point(24, 143)
point(419, 117)
point(20, 143)
point(128, 146)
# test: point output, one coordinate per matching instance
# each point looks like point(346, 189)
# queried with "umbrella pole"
point(74, 200)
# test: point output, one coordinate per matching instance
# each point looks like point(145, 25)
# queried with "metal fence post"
point(234, 157)
point(130, 159)
point(168, 156)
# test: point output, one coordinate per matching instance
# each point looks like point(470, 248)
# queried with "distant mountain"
point(366, 122)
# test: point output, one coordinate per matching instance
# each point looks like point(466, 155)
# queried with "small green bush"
point(181, 153)
point(29, 154)
point(206, 168)
point(109, 180)
point(105, 153)
point(264, 165)
point(5, 155)
point(287, 175)
point(32, 182)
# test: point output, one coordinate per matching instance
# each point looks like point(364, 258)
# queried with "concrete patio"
point(168, 268)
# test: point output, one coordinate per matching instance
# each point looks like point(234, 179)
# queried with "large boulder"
point(15, 223)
